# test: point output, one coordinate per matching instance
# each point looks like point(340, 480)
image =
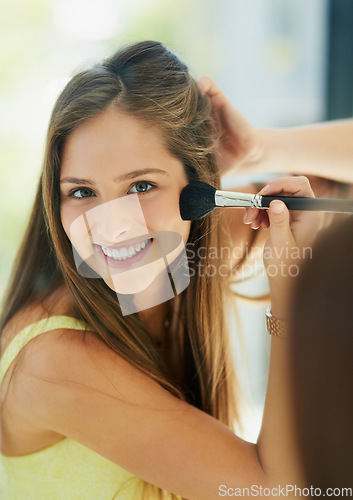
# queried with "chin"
point(136, 280)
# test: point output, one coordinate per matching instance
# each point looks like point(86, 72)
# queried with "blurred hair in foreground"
point(322, 359)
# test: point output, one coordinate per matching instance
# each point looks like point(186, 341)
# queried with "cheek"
point(162, 213)
point(75, 229)
point(156, 211)
point(65, 221)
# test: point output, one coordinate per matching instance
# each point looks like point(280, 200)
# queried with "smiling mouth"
point(125, 253)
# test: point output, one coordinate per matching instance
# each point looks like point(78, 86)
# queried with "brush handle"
point(313, 204)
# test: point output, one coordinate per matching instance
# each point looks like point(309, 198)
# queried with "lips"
point(125, 252)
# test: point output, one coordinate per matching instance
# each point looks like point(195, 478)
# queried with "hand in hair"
point(238, 143)
point(309, 150)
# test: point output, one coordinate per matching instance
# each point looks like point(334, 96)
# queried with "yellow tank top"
point(65, 470)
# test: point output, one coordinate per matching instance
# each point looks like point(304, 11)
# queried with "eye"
point(141, 187)
point(81, 193)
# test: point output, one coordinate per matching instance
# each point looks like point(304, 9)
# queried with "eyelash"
point(73, 191)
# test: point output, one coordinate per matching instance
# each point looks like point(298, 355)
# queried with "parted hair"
point(151, 83)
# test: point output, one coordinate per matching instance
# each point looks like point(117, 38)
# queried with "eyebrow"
point(125, 177)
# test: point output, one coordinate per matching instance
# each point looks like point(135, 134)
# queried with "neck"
point(155, 318)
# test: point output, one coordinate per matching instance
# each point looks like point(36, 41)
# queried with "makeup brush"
point(199, 199)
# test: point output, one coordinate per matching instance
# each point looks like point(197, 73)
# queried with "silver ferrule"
point(232, 199)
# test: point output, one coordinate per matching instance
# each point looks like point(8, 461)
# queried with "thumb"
point(280, 232)
point(204, 84)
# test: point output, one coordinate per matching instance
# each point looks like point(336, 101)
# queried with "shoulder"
point(56, 304)
point(38, 350)
point(67, 368)
point(73, 384)
point(61, 358)
point(84, 390)
point(64, 364)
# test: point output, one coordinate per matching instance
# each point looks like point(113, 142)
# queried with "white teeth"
point(125, 253)
point(115, 254)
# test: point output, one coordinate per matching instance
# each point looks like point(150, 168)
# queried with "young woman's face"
point(120, 192)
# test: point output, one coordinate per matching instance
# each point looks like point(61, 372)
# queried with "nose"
point(108, 223)
point(113, 227)
point(116, 220)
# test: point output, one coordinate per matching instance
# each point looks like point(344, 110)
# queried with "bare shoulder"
point(57, 303)
point(64, 367)
point(59, 369)
point(16, 416)
point(73, 384)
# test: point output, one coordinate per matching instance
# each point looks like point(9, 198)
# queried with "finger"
point(208, 87)
point(262, 216)
point(204, 84)
point(265, 223)
point(280, 232)
point(229, 116)
point(293, 186)
point(250, 215)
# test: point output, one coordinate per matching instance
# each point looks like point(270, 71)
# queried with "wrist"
point(258, 152)
point(280, 301)
point(275, 326)
point(270, 155)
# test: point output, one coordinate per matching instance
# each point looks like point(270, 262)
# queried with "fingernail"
point(246, 215)
point(277, 207)
point(264, 189)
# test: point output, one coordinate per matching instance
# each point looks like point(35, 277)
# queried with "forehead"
point(114, 138)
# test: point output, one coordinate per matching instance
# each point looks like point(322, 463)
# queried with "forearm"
point(290, 237)
point(276, 442)
point(324, 150)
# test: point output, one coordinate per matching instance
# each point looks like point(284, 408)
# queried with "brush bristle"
point(197, 200)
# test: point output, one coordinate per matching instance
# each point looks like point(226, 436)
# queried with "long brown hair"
point(151, 83)
point(321, 360)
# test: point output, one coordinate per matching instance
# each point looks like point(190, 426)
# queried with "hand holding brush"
point(199, 199)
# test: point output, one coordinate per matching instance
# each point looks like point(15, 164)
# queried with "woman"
point(100, 396)
point(321, 361)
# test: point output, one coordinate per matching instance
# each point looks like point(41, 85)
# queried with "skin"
point(310, 150)
point(57, 373)
point(118, 396)
point(108, 151)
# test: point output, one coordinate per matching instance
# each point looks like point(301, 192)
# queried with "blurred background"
point(282, 63)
